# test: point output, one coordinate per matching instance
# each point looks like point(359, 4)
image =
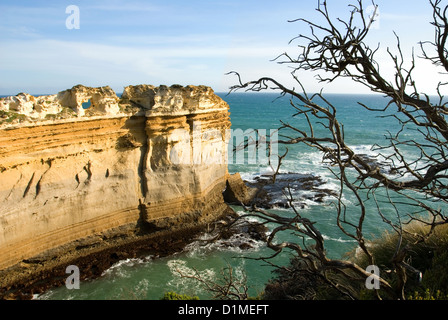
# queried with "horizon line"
point(216, 92)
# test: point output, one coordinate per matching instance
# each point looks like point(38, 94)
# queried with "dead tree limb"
point(339, 49)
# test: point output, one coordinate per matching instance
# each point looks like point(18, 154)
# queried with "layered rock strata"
point(77, 181)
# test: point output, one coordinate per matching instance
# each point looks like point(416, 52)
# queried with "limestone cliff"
point(77, 181)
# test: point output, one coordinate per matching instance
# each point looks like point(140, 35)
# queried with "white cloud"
point(48, 53)
point(107, 64)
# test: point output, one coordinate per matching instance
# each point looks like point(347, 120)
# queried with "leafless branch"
point(227, 287)
point(339, 48)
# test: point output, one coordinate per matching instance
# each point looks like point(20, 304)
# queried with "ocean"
point(150, 277)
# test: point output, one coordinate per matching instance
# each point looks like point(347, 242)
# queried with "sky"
point(120, 43)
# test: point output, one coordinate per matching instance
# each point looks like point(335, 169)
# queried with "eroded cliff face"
point(76, 181)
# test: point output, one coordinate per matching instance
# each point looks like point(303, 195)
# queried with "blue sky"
point(180, 42)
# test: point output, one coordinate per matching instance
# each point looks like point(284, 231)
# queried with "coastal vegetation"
point(175, 296)
point(429, 257)
point(10, 117)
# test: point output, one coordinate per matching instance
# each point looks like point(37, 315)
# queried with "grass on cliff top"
point(11, 117)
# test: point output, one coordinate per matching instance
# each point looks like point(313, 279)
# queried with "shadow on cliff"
point(136, 137)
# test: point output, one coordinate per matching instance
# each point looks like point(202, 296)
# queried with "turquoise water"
point(149, 277)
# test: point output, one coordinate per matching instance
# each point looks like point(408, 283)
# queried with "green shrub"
point(9, 116)
point(175, 296)
point(430, 257)
point(428, 296)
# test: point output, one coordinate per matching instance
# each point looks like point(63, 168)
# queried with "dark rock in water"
point(374, 162)
point(256, 231)
point(268, 193)
point(236, 232)
point(275, 194)
point(245, 246)
point(237, 191)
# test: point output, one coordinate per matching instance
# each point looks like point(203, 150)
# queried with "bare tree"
point(338, 49)
point(227, 287)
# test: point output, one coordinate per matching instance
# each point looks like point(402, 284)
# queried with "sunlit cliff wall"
point(73, 178)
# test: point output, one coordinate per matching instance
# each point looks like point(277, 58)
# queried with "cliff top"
point(82, 103)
